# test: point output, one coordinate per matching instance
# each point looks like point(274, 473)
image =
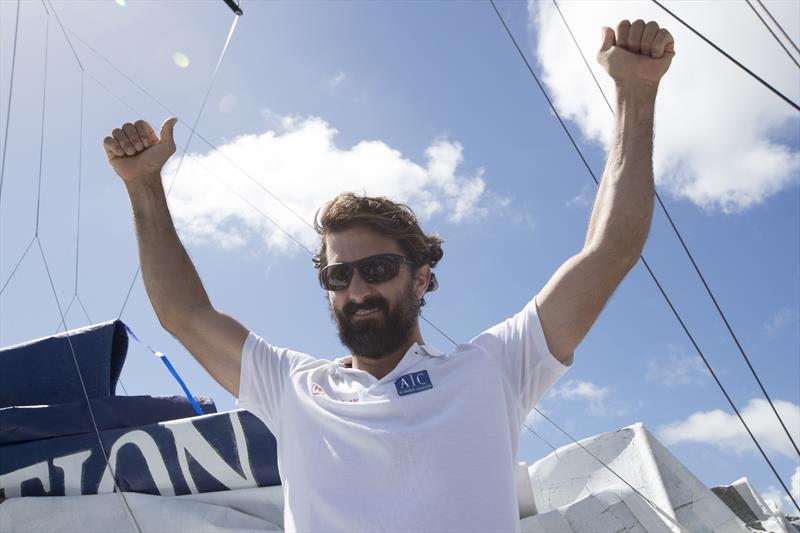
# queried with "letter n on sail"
point(189, 441)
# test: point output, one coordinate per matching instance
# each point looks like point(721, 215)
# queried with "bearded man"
point(395, 437)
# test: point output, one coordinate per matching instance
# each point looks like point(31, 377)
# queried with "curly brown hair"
point(392, 219)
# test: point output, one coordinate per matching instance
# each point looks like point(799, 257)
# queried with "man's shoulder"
point(297, 359)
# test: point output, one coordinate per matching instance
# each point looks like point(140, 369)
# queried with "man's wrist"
point(637, 91)
point(146, 192)
point(144, 184)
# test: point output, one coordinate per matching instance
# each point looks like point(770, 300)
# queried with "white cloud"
point(715, 127)
point(228, 103)
point(337, 79)
point(782, 319)
point(724, 431)
point(585, 198)
point(776, 498)
point(773, 498)
point(679, 368)
point(299, 162)
point(794, 488)
point(598, 398)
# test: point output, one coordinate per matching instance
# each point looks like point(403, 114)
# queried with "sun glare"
point(180, 59)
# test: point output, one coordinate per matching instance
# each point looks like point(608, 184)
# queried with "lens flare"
point(120, 3)
point(228, 103)
point(180, 59)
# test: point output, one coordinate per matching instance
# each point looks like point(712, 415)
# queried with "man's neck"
point(381, 367)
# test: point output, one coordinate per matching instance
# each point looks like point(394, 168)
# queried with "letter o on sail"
point(152, 456)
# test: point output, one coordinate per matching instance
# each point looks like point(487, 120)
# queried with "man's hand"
point(135, 152)
point(637, 52)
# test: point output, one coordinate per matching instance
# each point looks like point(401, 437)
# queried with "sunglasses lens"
point(336, 277)
point(378, 269)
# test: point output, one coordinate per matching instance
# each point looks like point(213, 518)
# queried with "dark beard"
point(376, 338)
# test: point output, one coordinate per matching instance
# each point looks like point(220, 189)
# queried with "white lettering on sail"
point(72, 466)
point(155, 463)
point(11, 483)
point(189, 441)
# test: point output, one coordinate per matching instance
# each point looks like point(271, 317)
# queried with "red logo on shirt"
point(316, 389)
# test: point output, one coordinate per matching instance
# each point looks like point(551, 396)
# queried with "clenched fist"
point(636, 52)
point(135, 152)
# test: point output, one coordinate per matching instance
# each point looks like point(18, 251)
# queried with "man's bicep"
point(571, 301)
point(216, 341)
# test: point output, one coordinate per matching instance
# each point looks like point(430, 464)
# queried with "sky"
point(428, 103)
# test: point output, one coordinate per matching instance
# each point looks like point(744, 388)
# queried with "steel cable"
point(191, 134)
point(689, 254)
point(729, 57)
point(10, 94)
point(642, 258)
point(777, 39)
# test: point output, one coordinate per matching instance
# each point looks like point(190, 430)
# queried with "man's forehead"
point(358, 242)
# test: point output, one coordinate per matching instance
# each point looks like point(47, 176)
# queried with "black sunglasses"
point(373, 269)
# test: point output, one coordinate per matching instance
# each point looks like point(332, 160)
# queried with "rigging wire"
point(778, 25)
point(191, 134)
point(690, 255)
point(76, 296)
point(644, 261)
point(777, 39)
point(8, 107)
point(197, 133)
point(729, 57)
point(197, 161)
point(117, 489)
point(123, 500)
point(78, 210)
point(41, 138)
point(14, 271)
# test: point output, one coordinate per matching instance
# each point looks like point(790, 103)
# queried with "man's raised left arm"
point(636, 56)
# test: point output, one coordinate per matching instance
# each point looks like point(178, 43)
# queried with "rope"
point(729, 57)
point(644, 262)
point(777, 39)
point(123, 499)
point(8, 107)
point(41, 138)
point(117, 489)
point(14, 271)
point(769, 14)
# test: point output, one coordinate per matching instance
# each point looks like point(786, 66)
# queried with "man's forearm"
point(623, 209)
point(170, 278)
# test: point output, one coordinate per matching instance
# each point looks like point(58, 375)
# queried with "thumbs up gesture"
point(135, 152)
point(636, 51)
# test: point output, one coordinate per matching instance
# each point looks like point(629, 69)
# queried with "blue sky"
point(428, 102)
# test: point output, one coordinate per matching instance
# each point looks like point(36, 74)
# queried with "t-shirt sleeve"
point(265, 374)
point(519, 347)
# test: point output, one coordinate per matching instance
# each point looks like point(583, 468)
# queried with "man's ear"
point(422, 280)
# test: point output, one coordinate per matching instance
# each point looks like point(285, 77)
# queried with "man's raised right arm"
point(173, 285)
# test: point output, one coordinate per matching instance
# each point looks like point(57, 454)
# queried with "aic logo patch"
point(414, 382)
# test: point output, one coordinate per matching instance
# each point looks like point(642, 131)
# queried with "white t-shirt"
point(432, 446)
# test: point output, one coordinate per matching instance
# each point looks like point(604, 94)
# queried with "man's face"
point(374, 319)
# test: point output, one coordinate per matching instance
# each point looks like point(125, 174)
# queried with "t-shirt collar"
point(345, 363)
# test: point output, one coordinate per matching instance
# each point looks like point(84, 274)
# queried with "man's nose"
point(358, 290)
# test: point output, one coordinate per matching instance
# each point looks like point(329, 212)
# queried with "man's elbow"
point(615, 257)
